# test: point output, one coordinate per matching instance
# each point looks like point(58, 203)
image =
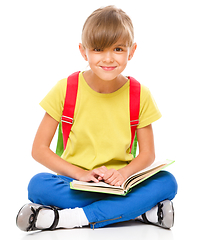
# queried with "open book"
point(130, 182)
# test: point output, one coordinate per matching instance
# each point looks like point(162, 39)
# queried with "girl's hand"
point(94, 175)
point(113, 177)
point(110, 176)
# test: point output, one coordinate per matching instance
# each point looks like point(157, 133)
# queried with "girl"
point(98, 147)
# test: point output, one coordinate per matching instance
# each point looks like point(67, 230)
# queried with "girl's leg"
point(54, 190)
point(98, 209)
point(140, 200)
point(47, 189)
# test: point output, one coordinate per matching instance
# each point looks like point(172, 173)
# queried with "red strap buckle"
point(67, 119)
point(134, 122)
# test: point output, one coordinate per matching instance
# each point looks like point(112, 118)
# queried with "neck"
point(103, 86)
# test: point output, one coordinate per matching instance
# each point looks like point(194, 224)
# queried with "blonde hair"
point(105, 26)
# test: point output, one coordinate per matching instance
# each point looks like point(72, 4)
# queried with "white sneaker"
point(165, 215)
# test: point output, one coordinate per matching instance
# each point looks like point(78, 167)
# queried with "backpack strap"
point(134, 112)
point(69, 105)
point(68, 113)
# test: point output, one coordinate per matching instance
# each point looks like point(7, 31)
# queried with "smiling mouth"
point(108, 68)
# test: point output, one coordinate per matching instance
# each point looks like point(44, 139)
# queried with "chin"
point(108, 76)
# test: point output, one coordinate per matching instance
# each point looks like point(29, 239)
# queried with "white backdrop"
point(39, 46)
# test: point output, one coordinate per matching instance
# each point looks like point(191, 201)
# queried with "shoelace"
point(160, 213)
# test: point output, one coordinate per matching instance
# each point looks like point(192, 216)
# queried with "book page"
point(109, 189)
point(93, 184)
point(152, 166)
point(140, 176)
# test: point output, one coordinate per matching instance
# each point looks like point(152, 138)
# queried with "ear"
point(132, 51)
point(83, 52)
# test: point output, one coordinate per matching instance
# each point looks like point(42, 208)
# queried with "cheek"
point(123, 61)
point(93, 60)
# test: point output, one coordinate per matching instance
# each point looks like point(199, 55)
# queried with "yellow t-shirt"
point(100, 134)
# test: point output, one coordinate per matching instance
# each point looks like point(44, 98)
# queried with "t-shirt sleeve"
point(149, 111)
point(54, 101)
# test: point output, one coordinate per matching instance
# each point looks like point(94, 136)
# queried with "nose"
point(108, 57)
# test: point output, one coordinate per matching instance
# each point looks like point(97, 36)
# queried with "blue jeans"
point(102, 209)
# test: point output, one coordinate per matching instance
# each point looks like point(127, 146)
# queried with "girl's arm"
point(42, 153)
point(144, 159)
point(146, 154)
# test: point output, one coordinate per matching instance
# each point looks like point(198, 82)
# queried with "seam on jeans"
point(94, 223)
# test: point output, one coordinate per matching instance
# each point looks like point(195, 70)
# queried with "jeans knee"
point(169, 183)
point(37, 187)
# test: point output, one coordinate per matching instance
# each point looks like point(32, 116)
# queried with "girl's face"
point(108, 63)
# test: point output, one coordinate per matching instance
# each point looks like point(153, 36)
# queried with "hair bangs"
point(104, 28)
